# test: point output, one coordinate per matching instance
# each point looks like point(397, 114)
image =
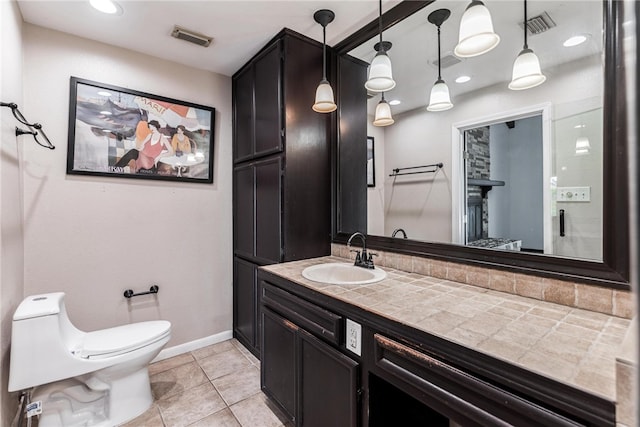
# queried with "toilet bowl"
point(95, 378)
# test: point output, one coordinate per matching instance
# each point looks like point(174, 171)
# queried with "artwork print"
point(119, 132)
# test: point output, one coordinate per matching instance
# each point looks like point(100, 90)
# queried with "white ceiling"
point(239, 27)
point(414, 53)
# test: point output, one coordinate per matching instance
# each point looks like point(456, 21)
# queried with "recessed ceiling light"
point(395, 102)
point(575, 40)
point(107, 6)
point(104, 93)
point(463, 79)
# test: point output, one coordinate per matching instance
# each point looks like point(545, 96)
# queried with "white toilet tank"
point(42, 338)
point(40, 305)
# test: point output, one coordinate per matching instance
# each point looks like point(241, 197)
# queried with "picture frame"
point(124, 133)
point(371, 162)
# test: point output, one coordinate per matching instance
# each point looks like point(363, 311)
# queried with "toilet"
point(95, 378)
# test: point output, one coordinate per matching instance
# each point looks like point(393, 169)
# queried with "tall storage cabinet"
point(282, 167)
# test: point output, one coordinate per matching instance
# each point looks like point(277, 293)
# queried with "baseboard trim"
point(193, 345)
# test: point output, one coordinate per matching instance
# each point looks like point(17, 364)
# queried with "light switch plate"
point(573, 194)
point(353, 340)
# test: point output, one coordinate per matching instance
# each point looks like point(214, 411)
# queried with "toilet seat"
point(122, 339)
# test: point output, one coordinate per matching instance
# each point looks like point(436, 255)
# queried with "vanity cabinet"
point(402, 375)
point(302, 368)
point(281, 169)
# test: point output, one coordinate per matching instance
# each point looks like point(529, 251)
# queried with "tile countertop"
point(570, 345)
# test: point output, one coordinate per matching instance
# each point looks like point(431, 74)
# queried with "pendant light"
point(383, 113)
point(582, 145)
point(476, 35)
point(380, 74)
point(324, 93)
point(439, 99)
point(526, 69)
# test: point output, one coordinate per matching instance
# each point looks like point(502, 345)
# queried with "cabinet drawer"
point(461, 397)
point(309, 316)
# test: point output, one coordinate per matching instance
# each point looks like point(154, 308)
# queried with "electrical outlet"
point(573, 194)
point(353, 340)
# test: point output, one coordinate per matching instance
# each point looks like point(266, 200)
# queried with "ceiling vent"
point(191, 36)
point(447, 61)
point(539, 24)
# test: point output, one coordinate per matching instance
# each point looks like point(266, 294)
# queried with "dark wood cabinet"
point(304, 371)
point(282, 165)
point(258, 106)
point(401, 376)
point(245, 309)
point(327, 385)
point(279, 359)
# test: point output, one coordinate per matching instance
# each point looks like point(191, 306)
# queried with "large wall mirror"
point(533, 180)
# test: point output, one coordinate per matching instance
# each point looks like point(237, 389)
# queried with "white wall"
point(421, 204)
point(94, 237)
point(11, 232)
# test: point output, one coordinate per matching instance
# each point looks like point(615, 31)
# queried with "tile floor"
point(218, 385)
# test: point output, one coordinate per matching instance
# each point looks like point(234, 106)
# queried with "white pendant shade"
point(324, 98)
point(476, 35)
point(526, 71)
point(439, 99)
point(380, 74)
point(383, 114)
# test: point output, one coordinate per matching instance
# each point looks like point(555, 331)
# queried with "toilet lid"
point(122, 339)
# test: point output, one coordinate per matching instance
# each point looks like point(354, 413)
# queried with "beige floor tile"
point(224, 363)
point(238, 385)
point(177, 380)
point(150, 418)
point(256, 412)
point(192, 405)
point(210, 350)
point(166, 364)
point(222, 418)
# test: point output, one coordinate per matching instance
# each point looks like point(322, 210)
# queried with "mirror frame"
point(613, 271)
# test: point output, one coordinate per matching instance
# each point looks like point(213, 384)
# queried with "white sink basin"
point(339, 273)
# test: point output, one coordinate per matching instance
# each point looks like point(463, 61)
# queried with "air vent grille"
point(539, 24)
point(191, 36)
point(447, 61)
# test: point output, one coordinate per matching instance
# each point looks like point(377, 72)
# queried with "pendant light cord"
point(380, 26)
point(439, 60)
point(324, 52)
point(525, 25)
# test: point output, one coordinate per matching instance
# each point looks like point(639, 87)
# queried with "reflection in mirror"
point(544, 144)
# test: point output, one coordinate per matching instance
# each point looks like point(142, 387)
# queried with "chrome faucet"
point(399, 230)
point(362, 259)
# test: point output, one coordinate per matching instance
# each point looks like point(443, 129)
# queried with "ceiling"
point(241, 27)
point(414, 54)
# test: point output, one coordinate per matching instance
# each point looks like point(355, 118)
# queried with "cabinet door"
point(243, 210)
point(268, 210)
point(278, 360)
point(243, 115)
point(328, 385)
point(268, 101)
point(245, 301)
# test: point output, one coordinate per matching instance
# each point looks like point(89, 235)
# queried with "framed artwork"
point(124, 133)
point(371, 163)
